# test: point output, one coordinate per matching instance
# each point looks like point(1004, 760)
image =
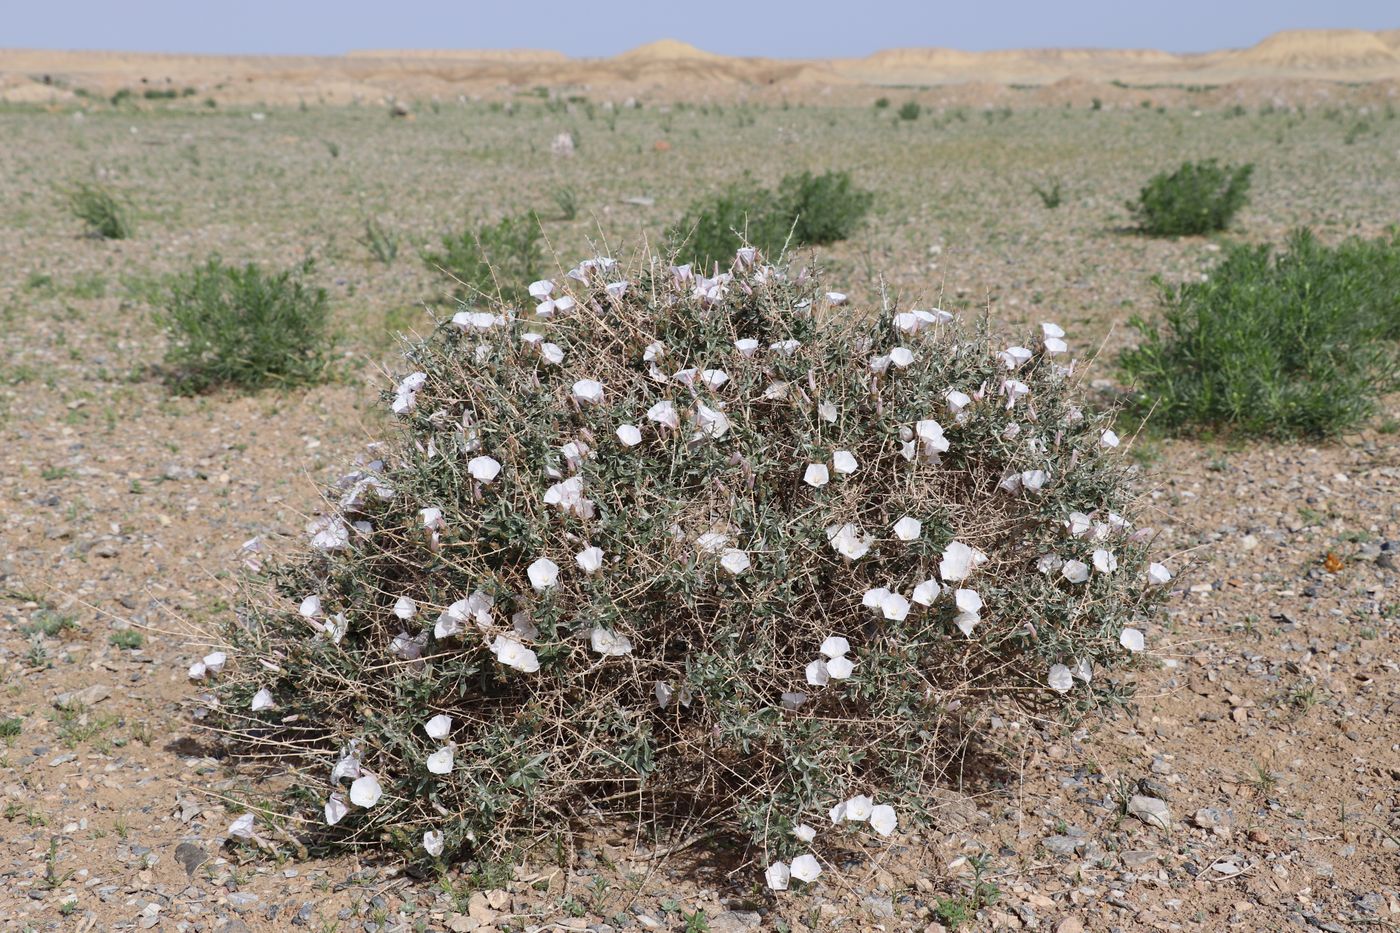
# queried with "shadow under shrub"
point(686, 544)
point(495, 260)
point(1297, 343)
point(243, 327)
point(805, 210)
point(1199, 197)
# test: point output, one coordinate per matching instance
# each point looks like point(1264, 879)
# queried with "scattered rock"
point(1151, 811)
point(190, 856)
point(88, 696)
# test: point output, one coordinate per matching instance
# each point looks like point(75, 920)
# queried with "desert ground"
point(1264, 717)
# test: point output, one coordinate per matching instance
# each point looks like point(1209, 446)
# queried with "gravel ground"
point(1250, 785)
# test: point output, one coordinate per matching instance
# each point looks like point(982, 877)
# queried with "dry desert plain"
point(1264, 716)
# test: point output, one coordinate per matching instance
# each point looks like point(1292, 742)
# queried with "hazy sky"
point(605, 27)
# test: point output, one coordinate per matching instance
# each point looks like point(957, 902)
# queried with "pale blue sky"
point(605, 27)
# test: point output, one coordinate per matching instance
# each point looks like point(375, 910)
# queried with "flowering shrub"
point(672, 543)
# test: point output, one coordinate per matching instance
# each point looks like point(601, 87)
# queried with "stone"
point(190, 857)
point(1151, 811)
point(1208, 818)
point(1062, 845)
point(1070, 925)
point(734, 921)
point(88, 696)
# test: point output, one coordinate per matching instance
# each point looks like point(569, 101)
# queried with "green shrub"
point(882, 103)
point(491, 261)
point(566, 200)
point(1052, 195)
point(105, 215)
point(382, 243)
point(1199, 197)
point(244, 328)
point(1297, 344)
point(806, 210)
point(910, 110)
point(639, 550)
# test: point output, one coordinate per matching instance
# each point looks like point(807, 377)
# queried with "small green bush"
point(1051, 195)
point(382, 243)
point(1199, 197)
point(676, 544)
point(882, 103)
point(805, 210)
point(492, 260)
point(244, 328)
point(1294, 344)
point(910, 110)
point(103, 212)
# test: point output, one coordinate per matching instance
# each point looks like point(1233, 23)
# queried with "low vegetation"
point(1298, 343)
point(805, 210)
point(1197, 198)
point(493, 261)
point(105, 215)
point(244, 328)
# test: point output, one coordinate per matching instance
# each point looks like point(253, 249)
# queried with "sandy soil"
point(1265, 716)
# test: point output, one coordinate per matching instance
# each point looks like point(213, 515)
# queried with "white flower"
point(825, 410)
point(629, 435)
point(1034, 480)
point(262, 700)
point(1104, 561)
point(805, 868)
point(844, 462)
point(735, 561)
point(925, 593)
point(567, 496)
point(966, 622)
point(1049, 563)
point(1083, 670)
point(588, 392)
point(709, 421)
point(1158, 574)
point(432, 518)
point(817, 673)
point(1109, 439)
point(902, 357)
point(483, 469)
point(440, 761)
point(1051, 330)
point(310, 607)
point(1078, 524)
point(617, 289)
point(543, 574)
point(874, 597)
point(894, 607)
point(712, 542)
point(590, 559)
point(654, 351)
point(405, 608)
point(907, 528)
point(835, 646)
point(967, 601)
point(242, 828)
point(816, 475)
point(329, 534)
point(1060, 679)
point(1075, 571)
point(1014, 390)
point(347, 767)
point(1132, 640)
point(513, 654)
point(480, 321)
point(432, 842)
point(551, 353)
point(1014, 357)
point(746, 347)
point(777, 876)
point(214, 662)
point(714, 378)
point(541, 289)
point(664, 413)
point(959, 560)
point(610, 644)
point(883, 819)
point(804, 833)
point(956, 400)
point(438, 727)
point(409, 647)
point(931, 433)
point(858, 808)
point(197, 670)
point(840, 668)
point(848, 541)
point(335, 809)
point(663, 693)
point(836, 298)
point(365, 791)
point(1054, 346)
